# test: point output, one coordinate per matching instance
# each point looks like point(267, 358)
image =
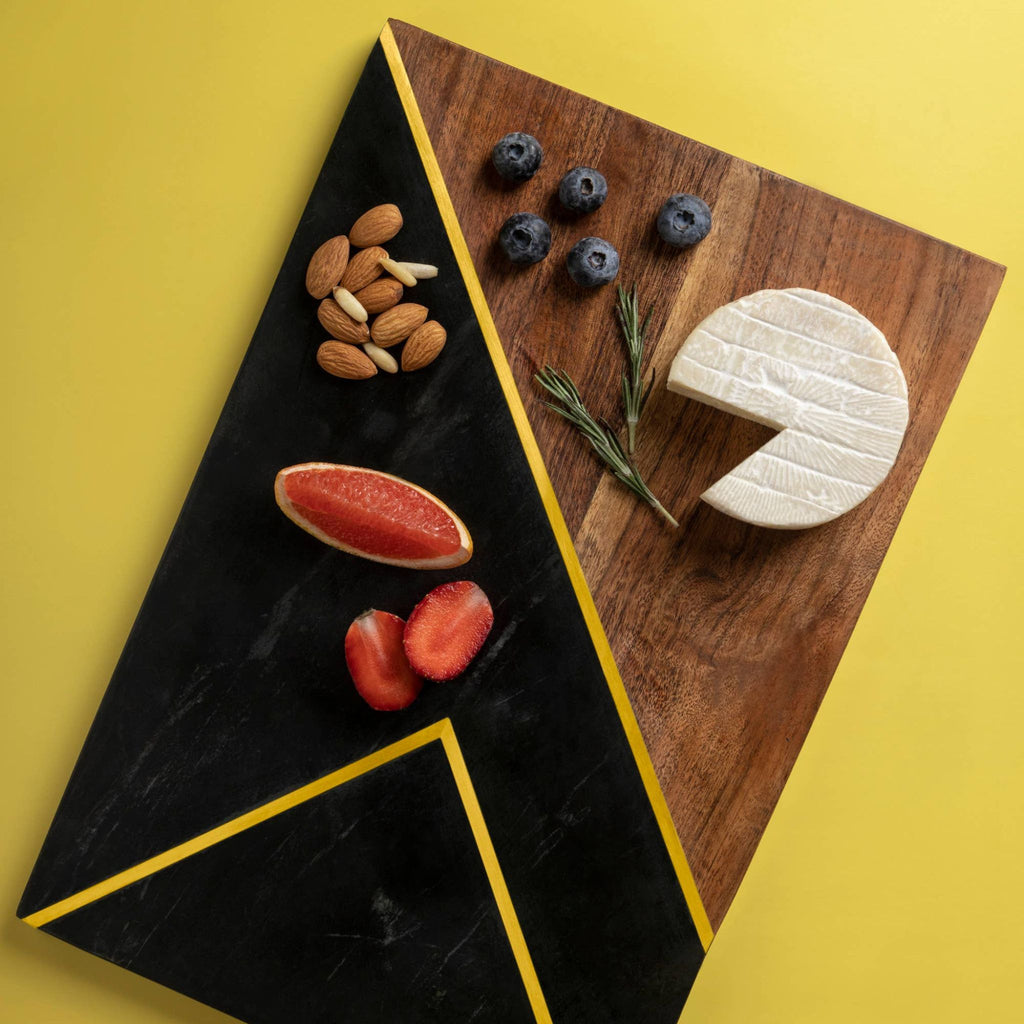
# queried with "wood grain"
point(727, 635)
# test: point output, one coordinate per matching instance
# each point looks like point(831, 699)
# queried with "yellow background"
point(154, 159)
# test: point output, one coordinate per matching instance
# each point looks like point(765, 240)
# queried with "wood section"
point(726, 634)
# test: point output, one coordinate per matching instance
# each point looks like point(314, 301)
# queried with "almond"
point(424, 345)
point(382, 294)
point(363, 268)
point(345, 361)
point(376, 226)
point(327, 266)
point(340, 325)
point(397, 323)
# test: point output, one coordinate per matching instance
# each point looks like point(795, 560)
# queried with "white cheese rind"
point(815, 369)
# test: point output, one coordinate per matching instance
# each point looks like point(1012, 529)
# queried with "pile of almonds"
point(361, 289)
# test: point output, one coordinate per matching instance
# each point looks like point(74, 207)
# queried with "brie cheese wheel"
point(818, 371)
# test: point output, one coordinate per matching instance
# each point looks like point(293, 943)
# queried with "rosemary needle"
point(606, 444)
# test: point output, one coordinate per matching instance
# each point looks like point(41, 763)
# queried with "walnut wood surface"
point(726, 634)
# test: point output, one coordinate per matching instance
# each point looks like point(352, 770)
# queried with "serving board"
point(241, 827)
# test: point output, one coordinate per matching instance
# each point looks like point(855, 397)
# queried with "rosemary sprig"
point(604, 440)
point(634, 394)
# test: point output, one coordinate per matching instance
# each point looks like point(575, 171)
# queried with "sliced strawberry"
point(377, 661)
point(447, 629)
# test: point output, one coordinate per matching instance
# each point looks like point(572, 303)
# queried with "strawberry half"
point(376, 659)
point(447, 629)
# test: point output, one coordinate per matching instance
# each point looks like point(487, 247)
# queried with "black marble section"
point(369, 902)
point(232, 688)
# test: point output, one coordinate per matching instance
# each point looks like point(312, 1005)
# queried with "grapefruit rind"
point(458, 557)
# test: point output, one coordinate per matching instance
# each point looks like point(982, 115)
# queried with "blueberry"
point(525, 238)
point(583, 190)
point(517, 156)
point(592, 262)
point(684, 220)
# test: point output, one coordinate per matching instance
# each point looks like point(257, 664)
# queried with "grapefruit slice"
point(374, 515)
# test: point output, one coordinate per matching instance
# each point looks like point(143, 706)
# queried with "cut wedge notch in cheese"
point(823, 375)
